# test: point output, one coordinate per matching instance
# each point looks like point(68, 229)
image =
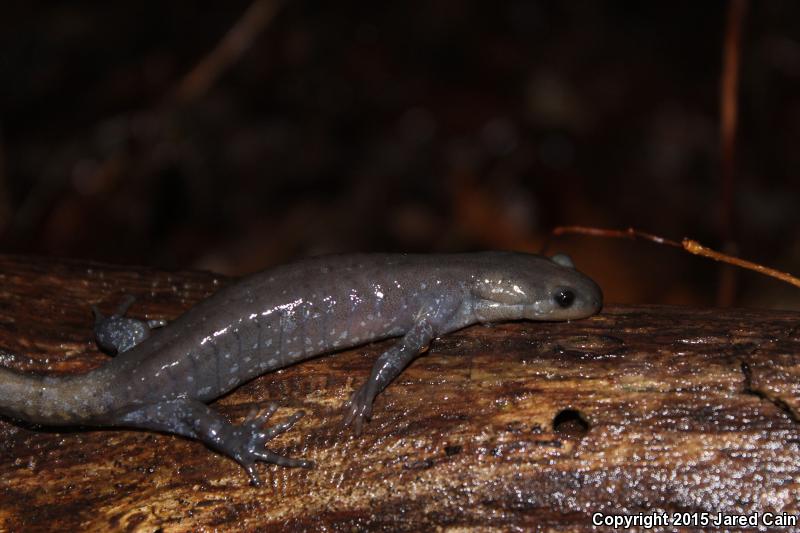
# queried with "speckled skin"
point(288, 314)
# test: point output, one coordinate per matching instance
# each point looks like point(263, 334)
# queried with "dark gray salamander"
point(288, 314)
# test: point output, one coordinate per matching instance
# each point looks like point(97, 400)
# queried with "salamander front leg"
point(117, 333)
point(244, 442)
point(386, 368)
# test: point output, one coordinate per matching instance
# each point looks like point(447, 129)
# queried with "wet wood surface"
point(530, 426)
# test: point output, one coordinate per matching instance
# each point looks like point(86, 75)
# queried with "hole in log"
point(452, 450)
point(570, 423)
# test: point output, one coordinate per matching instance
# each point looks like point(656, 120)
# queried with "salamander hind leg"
point(117, 333)
point(242, 442)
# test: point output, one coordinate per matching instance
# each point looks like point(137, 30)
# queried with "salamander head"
point(526, 286)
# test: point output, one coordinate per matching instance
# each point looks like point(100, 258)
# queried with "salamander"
point(165, 375)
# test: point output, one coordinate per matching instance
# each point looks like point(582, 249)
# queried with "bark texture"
point(535, 426)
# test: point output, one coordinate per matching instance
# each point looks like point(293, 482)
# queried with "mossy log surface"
point(641, 409)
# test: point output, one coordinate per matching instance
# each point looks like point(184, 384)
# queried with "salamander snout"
point(536, 288)
point(580, 297)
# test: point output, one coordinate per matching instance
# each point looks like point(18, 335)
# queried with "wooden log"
point(642, 409)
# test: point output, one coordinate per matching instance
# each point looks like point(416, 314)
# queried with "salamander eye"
point(564, 297)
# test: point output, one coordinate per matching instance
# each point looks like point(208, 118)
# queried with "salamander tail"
point(49, 399)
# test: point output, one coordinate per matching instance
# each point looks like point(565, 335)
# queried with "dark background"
point(421, 126)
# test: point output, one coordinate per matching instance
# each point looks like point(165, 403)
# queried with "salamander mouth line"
point(537, 312)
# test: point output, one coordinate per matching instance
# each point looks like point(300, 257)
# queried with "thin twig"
point(729, 98)
point(689, 245)
point(227, 52)
point(629, 233)
point(729, 108)
point(191, 87)
point(698, 249)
